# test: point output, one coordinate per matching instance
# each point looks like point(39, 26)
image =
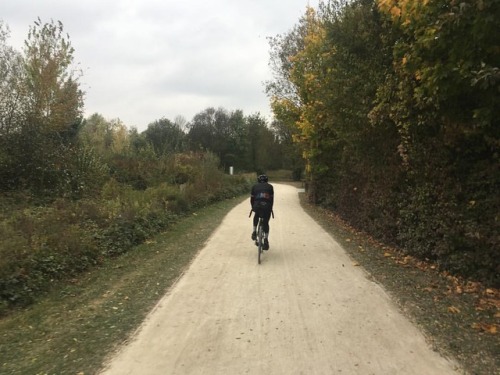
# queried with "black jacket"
point(262, 191)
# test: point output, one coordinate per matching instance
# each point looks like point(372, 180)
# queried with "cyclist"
point(262, 199)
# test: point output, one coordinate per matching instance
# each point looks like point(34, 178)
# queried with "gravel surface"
point(307, 309)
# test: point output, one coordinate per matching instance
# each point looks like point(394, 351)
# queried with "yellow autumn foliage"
point(402, 10)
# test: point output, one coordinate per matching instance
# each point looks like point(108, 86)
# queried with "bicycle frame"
point(260, 236)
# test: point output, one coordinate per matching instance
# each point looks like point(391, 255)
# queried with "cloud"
point(144, 60)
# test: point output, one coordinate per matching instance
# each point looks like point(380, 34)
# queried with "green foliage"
point(63, 238)
point(244, 142)
point(449, 124)
point(75, 191)
point(42, 244)
point(40, 107)
point(165, 137)
point(12, 73)
point(395, 104)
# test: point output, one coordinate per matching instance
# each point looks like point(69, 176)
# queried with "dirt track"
point(305, 310)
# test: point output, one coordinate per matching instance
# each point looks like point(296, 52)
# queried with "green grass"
point(74, 327)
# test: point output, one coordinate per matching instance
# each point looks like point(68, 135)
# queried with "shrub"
point(59, 239)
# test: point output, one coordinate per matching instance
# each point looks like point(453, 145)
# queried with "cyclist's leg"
point(265, 218)
point(255, 222)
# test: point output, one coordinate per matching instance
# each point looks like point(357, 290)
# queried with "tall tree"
point(397, 107)
point(290, 151)
point(97, 132)
point(166, 137)
point(444, 97)
point(12, 109)
point(285, 99)
point(264, 149)
point(46, 102)
point(55, 98)
point(222, 132)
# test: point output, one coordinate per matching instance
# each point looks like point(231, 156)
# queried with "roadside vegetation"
point(76, 192)
point(396, 106)
point(77, 323)
point(49, 242)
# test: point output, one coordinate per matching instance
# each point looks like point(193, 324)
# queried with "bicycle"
point(259, 241)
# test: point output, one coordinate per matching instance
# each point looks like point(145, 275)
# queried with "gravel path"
point(307, 309)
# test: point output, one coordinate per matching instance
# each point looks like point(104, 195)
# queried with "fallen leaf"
point(488, 328)
point(488, 303)
point(453, 310)
point(472, 287)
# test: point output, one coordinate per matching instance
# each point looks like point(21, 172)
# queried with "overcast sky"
point(148, 59)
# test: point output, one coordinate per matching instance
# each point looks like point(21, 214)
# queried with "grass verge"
point(74, 327)
point(460, 319)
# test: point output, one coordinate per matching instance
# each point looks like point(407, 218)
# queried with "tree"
point(443, 95)
point(44, 108)
point(202, 130)
point(166, 137)
point(55, 99)
point(286, 102)
point(296, 97)
point(222, 132)
point(97, 132)
point(11, 88)
point(397, 108)
point(290, 151)
point(182, 123)
point(264, 150)
point(12, 109)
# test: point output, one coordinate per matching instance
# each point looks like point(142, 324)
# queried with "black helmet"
point(262, 178)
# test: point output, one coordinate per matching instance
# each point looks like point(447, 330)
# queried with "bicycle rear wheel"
point(260, 240)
